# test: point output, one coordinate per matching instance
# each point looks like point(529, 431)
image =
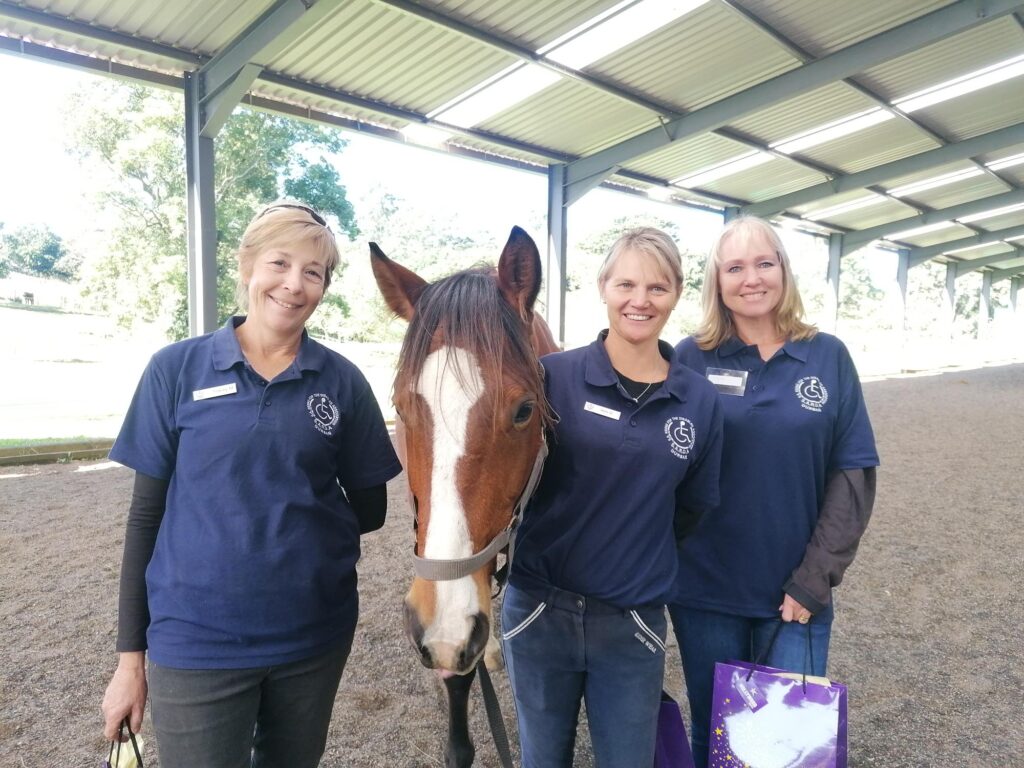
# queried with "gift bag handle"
point(113, 759)
point(768, 649)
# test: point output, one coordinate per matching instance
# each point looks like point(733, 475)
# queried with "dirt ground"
point(928, 631)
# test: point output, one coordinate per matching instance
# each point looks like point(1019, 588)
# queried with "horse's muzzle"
point(459, 658)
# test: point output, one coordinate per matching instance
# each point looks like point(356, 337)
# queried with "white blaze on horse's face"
point(450, 385)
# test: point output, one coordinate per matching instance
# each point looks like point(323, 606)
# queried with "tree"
point(37, 250)
point(133, 137)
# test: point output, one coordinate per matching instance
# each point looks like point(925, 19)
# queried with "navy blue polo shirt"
point(600, 523)
point(800, 417)
point(255, 559)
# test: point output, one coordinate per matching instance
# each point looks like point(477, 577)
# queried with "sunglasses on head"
point(316, 216)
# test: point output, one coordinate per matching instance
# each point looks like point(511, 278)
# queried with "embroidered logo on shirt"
point(811, 393)
point(324, 413)
point(681, 436)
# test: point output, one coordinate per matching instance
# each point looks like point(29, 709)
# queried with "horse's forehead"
point(450, 383)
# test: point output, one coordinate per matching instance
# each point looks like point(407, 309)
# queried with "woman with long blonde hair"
point(797, 480)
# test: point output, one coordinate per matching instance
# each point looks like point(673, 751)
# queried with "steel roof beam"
point(921, 255)
point(861, 237)
point(971, 265)
point(1002, 274)
point(225, 78)
point(945, 22)
point(852, 82)
point(960, 150)
point(51, 21)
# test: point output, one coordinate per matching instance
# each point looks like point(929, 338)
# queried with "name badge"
point(223, 389)
point(600, 410)
point(728, 382)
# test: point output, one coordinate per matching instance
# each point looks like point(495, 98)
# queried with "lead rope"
point(494, 718)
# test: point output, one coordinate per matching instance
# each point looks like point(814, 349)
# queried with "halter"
point(434, 569)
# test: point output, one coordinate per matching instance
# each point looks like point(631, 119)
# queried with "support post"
point(832, 277)
point(949, 300)
point(985, 305)
point(1014, 294)
point(729, 213)
point(556, 255)
point(202, 224)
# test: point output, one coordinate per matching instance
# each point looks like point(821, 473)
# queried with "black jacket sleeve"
point(849, 499)
point(149, 500)
point(371, 506)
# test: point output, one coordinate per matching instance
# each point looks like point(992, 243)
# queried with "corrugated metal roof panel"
point(808, 111)
point(527, 22)
point(931, 173)
point(946, 234)
point(979, 112)
point(1002, 154)
point(603, 119)
point(950, 58)
point(701, 58)
point(882, 143)
point(1005, 221)
point(835, 200)
point(865, 218)
point(821, 28)
point(981, 252)
point(776, 177)
point(687, 156)
point(973, 188)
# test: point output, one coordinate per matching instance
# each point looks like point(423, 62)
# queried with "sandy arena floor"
point(928, 632)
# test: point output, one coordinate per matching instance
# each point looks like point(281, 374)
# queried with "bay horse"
point(469, 396)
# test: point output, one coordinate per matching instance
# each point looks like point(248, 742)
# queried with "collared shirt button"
point(758, 387)
point(632, 422)
point(268, 402)
point(579, 603)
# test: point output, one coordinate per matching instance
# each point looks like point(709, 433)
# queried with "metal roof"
point(726, 80)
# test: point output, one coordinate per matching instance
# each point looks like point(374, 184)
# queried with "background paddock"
point(928, 633)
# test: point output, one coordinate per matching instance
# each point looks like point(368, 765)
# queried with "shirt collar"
point(795, 349)
point(227, 352)
point(598, 370)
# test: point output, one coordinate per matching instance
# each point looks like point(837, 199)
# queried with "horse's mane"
point(468, 310)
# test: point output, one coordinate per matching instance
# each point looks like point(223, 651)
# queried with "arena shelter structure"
point(892, 124)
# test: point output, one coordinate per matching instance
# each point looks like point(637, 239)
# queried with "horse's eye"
point(524, 413)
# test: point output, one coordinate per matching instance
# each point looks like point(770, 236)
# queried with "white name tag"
point(728, 382)
point(608, 413)
point(223, 389)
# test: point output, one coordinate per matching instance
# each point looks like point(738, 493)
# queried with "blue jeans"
point(565, 648)
point(266, 717)
point(706, 637)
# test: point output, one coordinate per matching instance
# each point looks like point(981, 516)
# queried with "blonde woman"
point(260, 457)
point(797, 480)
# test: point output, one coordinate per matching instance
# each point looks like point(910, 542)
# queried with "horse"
point(471, 420)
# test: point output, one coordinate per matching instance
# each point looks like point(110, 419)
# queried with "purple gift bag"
point(672, 749)
point(767, 718)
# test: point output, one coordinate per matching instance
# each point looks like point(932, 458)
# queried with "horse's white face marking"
point(450, 402)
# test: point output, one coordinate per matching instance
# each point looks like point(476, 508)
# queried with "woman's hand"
point(126, 694)
point(793, 611)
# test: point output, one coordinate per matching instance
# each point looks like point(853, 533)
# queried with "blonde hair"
point(279, 224)
point(716, 324)
point(651, 242)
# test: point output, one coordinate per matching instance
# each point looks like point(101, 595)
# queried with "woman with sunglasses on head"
point(797, 480)
point(260, 457)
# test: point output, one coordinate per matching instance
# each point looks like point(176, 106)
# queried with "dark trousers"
point(264, 717)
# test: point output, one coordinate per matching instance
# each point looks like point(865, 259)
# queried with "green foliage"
point(428, 245)
point(133, 137)
point(37, 250)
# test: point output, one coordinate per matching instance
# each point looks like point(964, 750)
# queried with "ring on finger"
point(804, 619)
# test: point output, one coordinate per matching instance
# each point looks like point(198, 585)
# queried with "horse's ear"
point(519, 272)
point(400, 287)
